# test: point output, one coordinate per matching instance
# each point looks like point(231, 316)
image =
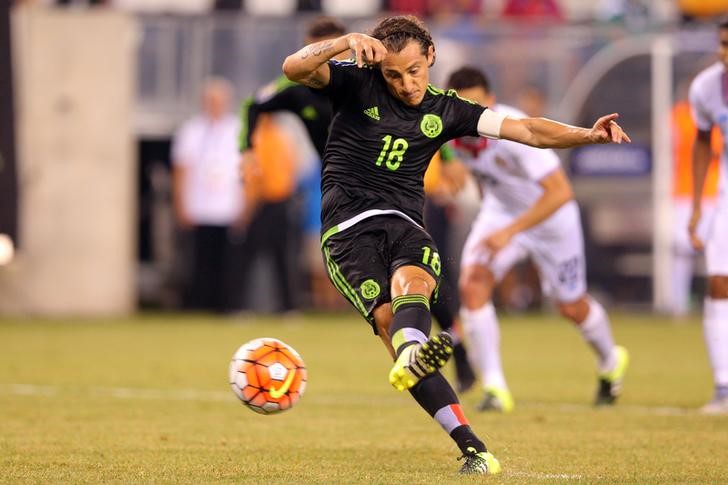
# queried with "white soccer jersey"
point(709, 103)
point(510, 173)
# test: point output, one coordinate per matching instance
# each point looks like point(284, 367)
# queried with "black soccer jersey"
point(313, 108)
point(379, 148)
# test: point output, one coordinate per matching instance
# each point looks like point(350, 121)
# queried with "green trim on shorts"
point(342, 285)
point(328, 234)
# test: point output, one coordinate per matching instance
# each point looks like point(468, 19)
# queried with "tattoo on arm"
point(317, 49)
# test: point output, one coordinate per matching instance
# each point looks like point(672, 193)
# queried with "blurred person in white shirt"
point(208, 196)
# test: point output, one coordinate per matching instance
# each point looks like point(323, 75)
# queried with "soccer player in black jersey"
point(388, 123)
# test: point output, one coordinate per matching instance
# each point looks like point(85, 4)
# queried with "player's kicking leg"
point(593, 323)
point(404, 328)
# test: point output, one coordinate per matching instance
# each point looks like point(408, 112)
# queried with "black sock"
point(434, 395)
point(444, 307)
point(411, 323)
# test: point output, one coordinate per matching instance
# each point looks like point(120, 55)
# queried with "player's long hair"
point(396, 32)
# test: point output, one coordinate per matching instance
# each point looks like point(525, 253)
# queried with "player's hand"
point(366, 49)
point(693, 230)
point(497, 241)
point(606, 130)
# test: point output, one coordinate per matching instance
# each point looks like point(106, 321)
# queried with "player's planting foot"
point(483, 463)
point(463, 372)
point(718, 405)
point(610, 383)
point(419, 360)
point(496, 399)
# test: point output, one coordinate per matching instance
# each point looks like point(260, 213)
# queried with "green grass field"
point(147, 401)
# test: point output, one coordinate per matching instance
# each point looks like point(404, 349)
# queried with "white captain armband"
point(489, 124)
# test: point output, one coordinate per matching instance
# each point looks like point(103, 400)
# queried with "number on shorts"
point(432, 259)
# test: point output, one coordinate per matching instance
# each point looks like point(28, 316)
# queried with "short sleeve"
point(345, 78)
point(463, 117)
point(697, 106)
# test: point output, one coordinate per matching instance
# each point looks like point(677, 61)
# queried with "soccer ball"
point(267, 375)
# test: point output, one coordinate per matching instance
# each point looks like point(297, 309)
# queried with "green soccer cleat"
point(498, 400)
point(483, 463)
point(610, 383)
point(420, 360)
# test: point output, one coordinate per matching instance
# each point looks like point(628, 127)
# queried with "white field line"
point(326, 399)
point(543, 476)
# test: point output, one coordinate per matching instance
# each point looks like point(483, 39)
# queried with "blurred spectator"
point(269, 185)
point(533, 9)
point(207, 196)
point(683, 253)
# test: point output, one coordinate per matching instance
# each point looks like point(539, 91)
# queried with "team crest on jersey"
point(431, 125)
point(370, 289)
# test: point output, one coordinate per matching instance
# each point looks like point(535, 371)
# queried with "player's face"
point(723, 49)
point(215, 101)
point(407, 73)
point(478, 94)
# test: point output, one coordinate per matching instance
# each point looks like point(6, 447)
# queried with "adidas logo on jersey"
point(373, 113)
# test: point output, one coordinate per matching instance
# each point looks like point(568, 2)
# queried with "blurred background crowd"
point(180, 73)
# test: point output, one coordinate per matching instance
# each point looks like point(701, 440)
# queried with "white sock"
point(596, 331)
point(481, 328)
point(682, 277)
point(715, 327)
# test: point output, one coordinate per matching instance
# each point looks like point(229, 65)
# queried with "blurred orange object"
point(703, 8)
point(684, 137)
point(275, 173)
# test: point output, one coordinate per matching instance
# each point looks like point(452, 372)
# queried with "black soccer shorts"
point(361, 260)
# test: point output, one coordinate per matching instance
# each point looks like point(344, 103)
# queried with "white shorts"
point(556, 247)
point(716, 243)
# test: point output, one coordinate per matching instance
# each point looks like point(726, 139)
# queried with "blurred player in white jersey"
point(709, 102)
point(527, 210)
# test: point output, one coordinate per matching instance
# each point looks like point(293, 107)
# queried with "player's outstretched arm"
point(309, 65)
point(545, 133)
